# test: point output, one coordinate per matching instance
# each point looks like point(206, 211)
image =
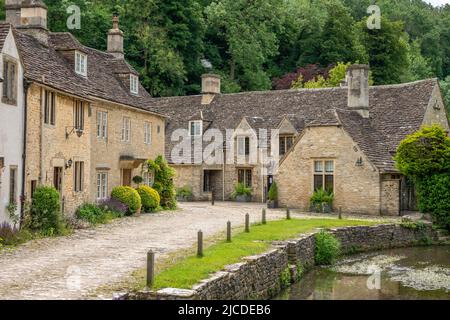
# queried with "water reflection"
point(410, 273)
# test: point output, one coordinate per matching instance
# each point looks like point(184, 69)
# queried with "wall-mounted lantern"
point(79, 132)
point(69, 164)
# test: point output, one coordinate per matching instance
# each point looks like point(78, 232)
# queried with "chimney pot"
point(115, 39)
point(358, 89)
point(210, 87)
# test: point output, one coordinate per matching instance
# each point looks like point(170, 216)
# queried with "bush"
point(184, 192)
point(45, 211)
point(273, 192)
point(7, 234)
point(241, 190)
point(164, 182)
point(150, 198)
point(322, 201)
point(114, 206)
point(328, 248)
point(128, 196)
point(137, 180)
point(92, 213)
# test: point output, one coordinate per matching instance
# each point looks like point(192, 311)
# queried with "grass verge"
point(188, 271)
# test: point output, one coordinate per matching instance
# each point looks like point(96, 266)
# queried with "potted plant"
point(322, 201)
point(184, 194)
point(242, 193)
point(273, 196)
point(138, 180)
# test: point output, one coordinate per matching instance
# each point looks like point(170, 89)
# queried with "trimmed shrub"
point(128, 196)
point(164, 182)
point(328, 248)
point(149, 197)
point(273, 192)
point(45, 211)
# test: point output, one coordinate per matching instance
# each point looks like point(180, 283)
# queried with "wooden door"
point(126, 177)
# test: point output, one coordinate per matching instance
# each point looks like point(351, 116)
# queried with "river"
point(398, 274)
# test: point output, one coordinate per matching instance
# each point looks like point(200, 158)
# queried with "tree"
point(164, 182)
point(418, 66)
point(387, 49)
point(445, 88)
point(425, 157)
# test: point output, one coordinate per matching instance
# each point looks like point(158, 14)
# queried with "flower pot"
point(272, 204)
point(243, 198)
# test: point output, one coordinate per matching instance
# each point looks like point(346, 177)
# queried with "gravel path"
point(71, 267)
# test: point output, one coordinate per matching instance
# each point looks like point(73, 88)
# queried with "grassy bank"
point(188, 271)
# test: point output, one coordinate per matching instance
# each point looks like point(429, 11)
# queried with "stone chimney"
point(210, 87)
point(12, 11)
point(115, 39)
point(358, 89)
point(28, 16)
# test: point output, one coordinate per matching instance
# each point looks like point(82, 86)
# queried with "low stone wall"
point(259, 277)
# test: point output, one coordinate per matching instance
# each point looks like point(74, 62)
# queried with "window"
point(9, 82)
point(286, 143)
point(49, 107)
point(79, 175)
point(196, 128)
point(147, 132)
point(102, 185)
point(245, 177)
point(324, 175)
point(78, 115)
point(148, 178)
point(243, 146)
point(13, 185)
point(81, 63)
point(102, 125)
point(134, 84)
point(206, 181)
point(126, 129)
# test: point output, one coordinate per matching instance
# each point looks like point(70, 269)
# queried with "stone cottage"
point(341, 139)
point(89, 122)
point(12, 111)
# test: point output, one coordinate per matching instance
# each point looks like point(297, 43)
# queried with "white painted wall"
point(11, 132)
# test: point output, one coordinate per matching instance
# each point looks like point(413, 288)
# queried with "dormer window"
point(195, 128)
point(134, 84)
point(81, 63)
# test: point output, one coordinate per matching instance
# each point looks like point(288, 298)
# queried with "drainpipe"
point(223, 173)
point(26, 85)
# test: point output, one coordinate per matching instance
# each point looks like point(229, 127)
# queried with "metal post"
point(247, 223)
point(150, 268)
point(264, 221)
point(228, 231)
point(200, 244)
point(288, 214)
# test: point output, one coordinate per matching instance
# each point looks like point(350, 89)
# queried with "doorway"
point(408, 195)
point(126, 177)
point(57, 178)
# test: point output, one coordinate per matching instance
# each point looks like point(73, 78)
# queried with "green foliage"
point(164, 182)
point(45, 212)
point(184, 192)
point(445, 88)
point(328, 248)
point(150, 198)
point(241, 190)
point(300, 271)
point(285, 278)
point(425, 157)
point(321, 196)
point(138, 180)
point(128, 196)
point(273, 192)
point(424, 153)
point(95, 214)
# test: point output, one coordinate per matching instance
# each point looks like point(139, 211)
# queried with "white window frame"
point(134, 84)
point(241, 145)
point(102, 185)
point(126, 129)
point(198, 131)
point(81, 63)
point(102, 125)
point(322, 171)
point(147, 132)
point(148, 177)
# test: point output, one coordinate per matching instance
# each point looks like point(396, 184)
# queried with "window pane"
point(247, 146)
point(241, 174)
point(282, 146)
point(329, 181)
point(329, 166)
point(248, 181)
point(289, 143)
point(318, 182)
point(318, 166)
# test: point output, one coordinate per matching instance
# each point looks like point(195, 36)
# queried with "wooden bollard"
point(213, 198)
point(340, 213)
point(200, 244)
point(264, 221)
point(247, 223)
point(228, 231)
point(150, 268)
point(288, 214)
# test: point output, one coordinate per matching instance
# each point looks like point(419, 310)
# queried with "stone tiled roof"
point(395, 111)
point(4, 30)
point(48, 65)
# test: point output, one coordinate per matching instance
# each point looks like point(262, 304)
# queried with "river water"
point(407, 273)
